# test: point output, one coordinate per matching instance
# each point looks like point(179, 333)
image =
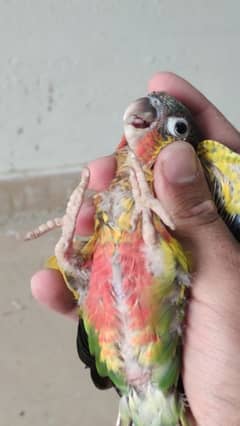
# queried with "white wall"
point(68, 68)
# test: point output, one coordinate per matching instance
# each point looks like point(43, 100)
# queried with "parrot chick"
point(131, 277)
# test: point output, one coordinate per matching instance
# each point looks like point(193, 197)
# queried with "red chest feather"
point(119, 286)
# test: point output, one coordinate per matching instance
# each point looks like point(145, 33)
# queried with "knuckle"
point(202, 213)
point(206, 212)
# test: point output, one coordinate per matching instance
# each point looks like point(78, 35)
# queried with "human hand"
point(211, 361)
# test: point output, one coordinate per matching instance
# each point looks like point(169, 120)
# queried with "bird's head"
point(154, 121)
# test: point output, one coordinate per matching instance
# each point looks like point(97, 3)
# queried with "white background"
point(69, 68)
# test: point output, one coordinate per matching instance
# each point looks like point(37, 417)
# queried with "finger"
point(181, 186)
point(85, 219)
point(49, 289)
point(102, 172)
point(210, 121)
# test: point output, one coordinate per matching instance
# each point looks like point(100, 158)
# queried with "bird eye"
point(178, 126)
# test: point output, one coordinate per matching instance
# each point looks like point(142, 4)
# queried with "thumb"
point(182, 188)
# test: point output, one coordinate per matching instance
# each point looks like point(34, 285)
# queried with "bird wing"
point(222, 168)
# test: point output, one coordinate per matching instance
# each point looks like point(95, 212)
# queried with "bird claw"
point(145, 203)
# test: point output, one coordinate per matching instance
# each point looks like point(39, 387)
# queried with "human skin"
point(211, 361)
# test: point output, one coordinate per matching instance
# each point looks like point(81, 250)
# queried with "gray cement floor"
point(42, 381)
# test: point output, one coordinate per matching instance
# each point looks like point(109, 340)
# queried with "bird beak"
point(140, 114)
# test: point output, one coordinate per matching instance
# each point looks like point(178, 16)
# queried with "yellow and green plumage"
point(222, 167)
point(132, 308)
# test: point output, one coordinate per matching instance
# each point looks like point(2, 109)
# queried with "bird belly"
point(123, 304)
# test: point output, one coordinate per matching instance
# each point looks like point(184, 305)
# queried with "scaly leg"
point(58, 222)
point(67, 252)
point(44, 228)
point(64, 250)
point(145, 201)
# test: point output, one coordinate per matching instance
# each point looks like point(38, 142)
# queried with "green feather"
point(169, 373)
point(101, 366)
point(95, 350)
point(166, 348)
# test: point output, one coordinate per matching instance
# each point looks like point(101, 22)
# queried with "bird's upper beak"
point(140, 114)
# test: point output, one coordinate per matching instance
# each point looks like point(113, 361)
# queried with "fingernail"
point(179, 163)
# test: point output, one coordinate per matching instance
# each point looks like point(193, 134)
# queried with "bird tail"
point(152, 408)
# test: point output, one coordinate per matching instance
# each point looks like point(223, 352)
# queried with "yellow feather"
point(223, 165)
point(51, 263)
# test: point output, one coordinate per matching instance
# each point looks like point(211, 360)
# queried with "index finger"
point(208, 118)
